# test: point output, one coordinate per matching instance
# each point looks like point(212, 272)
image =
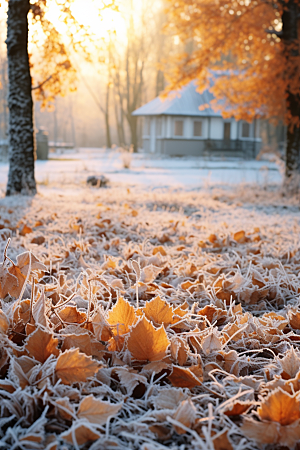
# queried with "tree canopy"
point(240, 38)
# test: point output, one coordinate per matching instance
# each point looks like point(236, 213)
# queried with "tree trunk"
point(106, 115)
point(21, 139)
point(289, 39)
point(133, 132)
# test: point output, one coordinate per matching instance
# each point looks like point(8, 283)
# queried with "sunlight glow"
point(89, 13)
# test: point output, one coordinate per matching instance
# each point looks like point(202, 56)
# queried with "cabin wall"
point(164, 136)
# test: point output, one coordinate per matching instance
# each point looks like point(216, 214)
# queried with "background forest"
point(128, 47)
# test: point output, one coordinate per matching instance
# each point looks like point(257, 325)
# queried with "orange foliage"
point(244, 42)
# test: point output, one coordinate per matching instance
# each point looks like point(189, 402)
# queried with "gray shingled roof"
point(185, 102)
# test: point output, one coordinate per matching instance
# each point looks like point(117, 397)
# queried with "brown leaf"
point(221, 441)
point(160, 249)
point(237, 408)
point(81, 341)
point(8, 282)
point(4, 323)
point(39, 240)
point(41, 344)
point(169, 398)
point(23, 262)
point(212, 313)
point(290, 364)
point(159, 312)
point(294, 319)
point(149, 273)
point(65, 408)
point(73, 367)
point(97, 411)
point(146, 343)
point(184, 377)
point(279, 406)
point(211, 343)
point(179, 351)
point(70, 314)
point(262, 432)
point(22, 311)
point(102, 329)
point(25, 230)
point(185, 414)
point(39, 310)
point(83, 433)
point(16, 288)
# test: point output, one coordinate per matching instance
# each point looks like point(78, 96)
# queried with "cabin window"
point(159, 126)
point(178, 128)
point(246, 130)
point(227, 131)
point(197, 128)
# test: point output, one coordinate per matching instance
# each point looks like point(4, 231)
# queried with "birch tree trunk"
point(21, 138)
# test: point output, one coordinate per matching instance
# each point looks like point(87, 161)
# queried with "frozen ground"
point(203, 344)
point(74, 168)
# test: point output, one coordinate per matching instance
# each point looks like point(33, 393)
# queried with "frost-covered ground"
point(74, 167)
point(182, 301)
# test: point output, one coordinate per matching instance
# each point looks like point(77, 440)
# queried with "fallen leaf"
point(41, 344)
point(25, 230)
point(169, 398)
point(39, 310)
point(185, 414)
point(279, 406)
point(149, 273)
point(73, 367)
point(4, 324)
point(70, 314)
point(221, 441)
point(290, 364)
point(280, 420)
point(184, 377)
point(97, 411)
point(211, 343)
point(102, 329)
point(121, 317)
point(65, 408)
point(83, 433)
point(237, 408)
point(179, 351)
point(159, 312)
point(81, 341)
point(146, 343)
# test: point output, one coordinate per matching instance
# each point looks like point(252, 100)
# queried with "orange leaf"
point(81, 341)
point(179, 351)
point(121, 317)
point(185, 414)
point(101, 327)
point(237, 408)
point(97, 411)
point(184, 377)
point(146, 343)
point(159, 311)
point(25, 230)
point(70, 314)
point(279, 406)
point(41, 344)
point(4, 324)
point(82, 433)
point(73, 366)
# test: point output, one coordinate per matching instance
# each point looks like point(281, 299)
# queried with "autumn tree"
point(249, 51)
point(54, 76)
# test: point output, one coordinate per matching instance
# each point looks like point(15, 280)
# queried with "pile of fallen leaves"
point(149, 320)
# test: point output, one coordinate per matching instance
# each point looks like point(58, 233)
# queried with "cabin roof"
point(185, 102)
